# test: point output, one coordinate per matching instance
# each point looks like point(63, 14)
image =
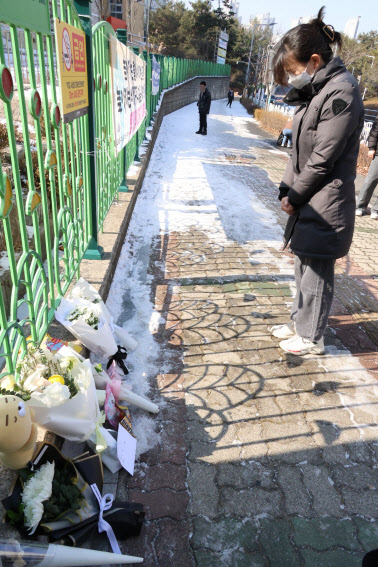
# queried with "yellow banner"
point(72, 64)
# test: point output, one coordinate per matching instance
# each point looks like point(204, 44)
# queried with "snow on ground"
point(189, 183)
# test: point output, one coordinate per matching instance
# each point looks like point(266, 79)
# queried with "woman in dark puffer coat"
point(317, 190)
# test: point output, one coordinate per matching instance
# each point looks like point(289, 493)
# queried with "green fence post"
point(94, 251)
point(136, 157)
point(165, 73)
point(152, 97)
point(123, 188)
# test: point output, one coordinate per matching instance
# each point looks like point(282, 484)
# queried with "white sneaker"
point(299, 346)
point(283, 331)
point(374, 215)
point(360, 212)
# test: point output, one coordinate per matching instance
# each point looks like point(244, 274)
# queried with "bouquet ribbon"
point(119, 357)
point(105, 503)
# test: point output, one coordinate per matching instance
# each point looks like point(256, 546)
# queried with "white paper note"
point(126, 448)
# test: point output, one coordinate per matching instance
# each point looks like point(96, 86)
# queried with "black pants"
point(203, 121)
point(229, 102)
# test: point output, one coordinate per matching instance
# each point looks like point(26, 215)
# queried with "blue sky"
point(337, 11)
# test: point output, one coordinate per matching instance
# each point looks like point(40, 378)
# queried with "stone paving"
point(263, 459)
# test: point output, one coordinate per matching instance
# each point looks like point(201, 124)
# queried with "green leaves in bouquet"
point(17, 391)
point(65, 495)
point(16, 517)
point(70, 383)
point(87, 315)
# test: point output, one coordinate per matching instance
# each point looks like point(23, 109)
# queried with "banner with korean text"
point(72, 65)
point(128, 92)
point(155, 76)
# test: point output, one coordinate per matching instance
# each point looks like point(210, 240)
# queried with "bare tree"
point(351, 51)
point(102, 7)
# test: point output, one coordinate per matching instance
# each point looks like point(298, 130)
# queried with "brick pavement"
point(263, 459)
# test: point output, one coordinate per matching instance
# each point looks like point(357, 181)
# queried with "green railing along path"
point(53, 202)
point(43, 268)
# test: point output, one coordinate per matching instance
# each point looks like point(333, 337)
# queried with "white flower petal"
point(37, 490)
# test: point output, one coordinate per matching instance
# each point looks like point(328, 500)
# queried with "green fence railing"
point(45, 207)
point(58, 180)
point(109, 167)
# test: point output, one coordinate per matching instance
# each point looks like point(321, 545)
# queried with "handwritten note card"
point(126, 447)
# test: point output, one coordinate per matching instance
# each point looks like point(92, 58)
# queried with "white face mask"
point(299, 81)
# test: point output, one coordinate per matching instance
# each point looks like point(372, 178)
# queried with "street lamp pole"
point(372, 63)
point(372, 57)
point(250, 54)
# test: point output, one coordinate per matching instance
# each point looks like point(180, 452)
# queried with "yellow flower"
point(8, 382)
point(56, 378)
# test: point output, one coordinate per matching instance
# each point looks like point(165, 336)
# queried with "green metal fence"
point(46, 201)
point(61, 178)
point(110, 167)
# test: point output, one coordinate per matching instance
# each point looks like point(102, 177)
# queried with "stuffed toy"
point(17, 432)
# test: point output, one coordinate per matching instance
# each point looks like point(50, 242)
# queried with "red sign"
point(78, 53)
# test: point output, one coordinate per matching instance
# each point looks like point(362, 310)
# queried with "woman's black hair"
point(303, 41)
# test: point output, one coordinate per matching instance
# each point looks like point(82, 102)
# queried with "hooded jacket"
point(372, 141)
point(319, 178)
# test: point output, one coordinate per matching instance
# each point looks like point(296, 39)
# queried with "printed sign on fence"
point(128, 90)
point(72, 64)
point(155, 76)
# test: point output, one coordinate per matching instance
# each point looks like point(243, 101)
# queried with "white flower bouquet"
point(62, 499)
point(60, 389)
point(49, 494)
point(86, 316)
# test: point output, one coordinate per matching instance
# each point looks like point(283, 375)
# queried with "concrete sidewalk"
point(257, 458)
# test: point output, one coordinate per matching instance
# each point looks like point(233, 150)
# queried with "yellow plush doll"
point(17, 432)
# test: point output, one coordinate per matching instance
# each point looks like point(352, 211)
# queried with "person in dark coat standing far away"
point(317, 190)
point(230, 96)
point(203, 104)
point(371, 180)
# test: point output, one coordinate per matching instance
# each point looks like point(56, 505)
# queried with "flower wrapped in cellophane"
point(86, 316)
point(49, 494)
point(60, 388)
point(62, 499)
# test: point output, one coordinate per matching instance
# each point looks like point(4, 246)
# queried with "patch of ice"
point(144, 429)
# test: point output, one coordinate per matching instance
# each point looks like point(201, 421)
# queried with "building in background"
point(115, 9)
point(264, 19)
point(302, 20)
point(351, 27)
point(235, 8)
point(133, 11)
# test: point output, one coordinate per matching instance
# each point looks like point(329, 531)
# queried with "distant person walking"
point(230, 96)
point(317, 190)
point(203, 104)
point(288, 134)
point(371, 180)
